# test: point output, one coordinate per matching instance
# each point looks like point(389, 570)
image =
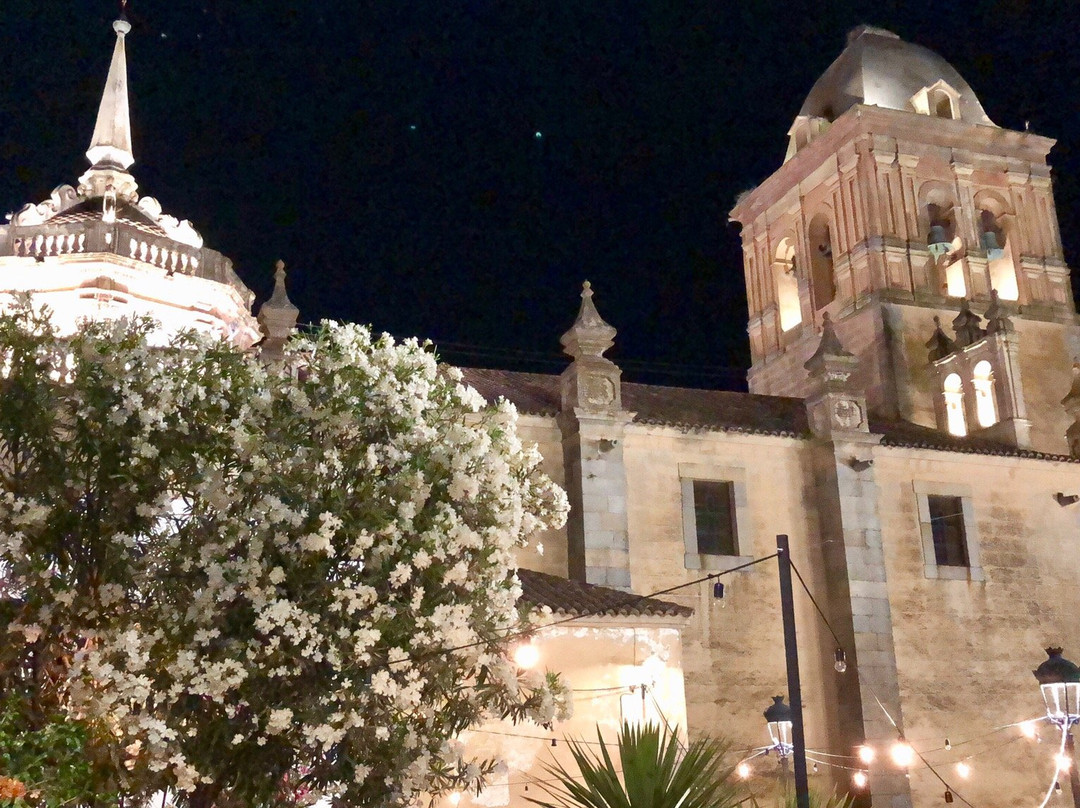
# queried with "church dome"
point(877, 68)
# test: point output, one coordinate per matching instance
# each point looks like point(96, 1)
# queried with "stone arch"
point(822, 275)
point(939, 100)
point(786, 279)
point(953, 390)
point(982, 379)
point(995, 225)
point(938, 212)
point(942, 105)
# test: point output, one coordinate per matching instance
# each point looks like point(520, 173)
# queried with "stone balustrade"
point(122, 239)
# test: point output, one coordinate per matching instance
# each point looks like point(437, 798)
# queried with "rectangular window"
point(950, 534)
point(947, 528)
point(714, 517)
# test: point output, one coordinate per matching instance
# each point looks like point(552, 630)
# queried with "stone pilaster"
point(593, 425)
point(858, 598)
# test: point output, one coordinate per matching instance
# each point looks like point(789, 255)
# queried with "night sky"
point(454, 170)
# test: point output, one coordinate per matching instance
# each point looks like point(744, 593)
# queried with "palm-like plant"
point(654, 774)
point(819, 799)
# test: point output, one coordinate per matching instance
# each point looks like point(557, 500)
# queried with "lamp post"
point(778, 716)
point(791, 656)
point(1059, 682)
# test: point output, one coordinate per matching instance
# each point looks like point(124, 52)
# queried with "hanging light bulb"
point(948, 744)
point(454, 797)
point(948, 796)
point(743, 770)
point(526, 656)
point(554, 742)
point(866, 754)
point(1028, 729)
point(1057, 787)
point(841, 661)
point(963, 769)
point(859, 779)
point(815, 768)
point(1063, 762)
point(902, 754)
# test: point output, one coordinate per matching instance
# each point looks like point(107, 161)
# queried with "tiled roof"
point(904, 434)
point(538, 394)
point(574, 598)
point(91, 210)
point(721, 410)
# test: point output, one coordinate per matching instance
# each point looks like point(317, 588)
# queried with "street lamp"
point(1059, 682)
point(779, 717)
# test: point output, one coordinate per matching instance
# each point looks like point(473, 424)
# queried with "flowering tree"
point(266, 585)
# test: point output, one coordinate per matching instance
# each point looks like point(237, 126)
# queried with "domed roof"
point(877, 68)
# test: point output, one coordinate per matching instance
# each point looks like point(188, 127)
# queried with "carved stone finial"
point(110, 153)
point(829, 346)
point(592, 381)
point(589, 335)
point(277, 316)
point(996, 321)
point(939, 344)
point(836, 402)
point(110, 145)
point(966, 326)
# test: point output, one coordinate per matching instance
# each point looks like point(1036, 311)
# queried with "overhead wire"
point(873, 692)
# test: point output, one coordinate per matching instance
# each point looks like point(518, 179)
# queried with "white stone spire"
point(110, 147)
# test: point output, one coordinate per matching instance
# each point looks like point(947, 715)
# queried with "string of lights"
point(949, 789)
point(1057, 768)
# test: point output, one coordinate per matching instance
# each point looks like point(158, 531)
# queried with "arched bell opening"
point(953, 390)
point(785, 276)
point(822, 273)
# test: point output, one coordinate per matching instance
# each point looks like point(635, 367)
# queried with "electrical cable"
point(597, 611)
point(1057, 768)
point(873, 692)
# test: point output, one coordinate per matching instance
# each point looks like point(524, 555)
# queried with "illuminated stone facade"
point(912, 332)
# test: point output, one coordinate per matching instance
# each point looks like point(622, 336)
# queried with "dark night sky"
point(388, 151)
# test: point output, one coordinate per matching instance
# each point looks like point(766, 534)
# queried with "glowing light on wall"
point(526, 656)
point(954, 405)
point(902, 754)
point(983, 381)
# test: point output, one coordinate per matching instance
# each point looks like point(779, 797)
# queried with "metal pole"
point(1074, 775)
point(791, 655)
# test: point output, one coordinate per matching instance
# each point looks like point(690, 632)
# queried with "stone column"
point(593, 425)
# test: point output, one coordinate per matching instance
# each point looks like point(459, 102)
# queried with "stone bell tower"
point(899, 203)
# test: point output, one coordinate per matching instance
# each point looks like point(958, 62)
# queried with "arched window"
point(983, 381)
point(787, 284)
point(954, 405)
point(822, 280)
point(943, 107)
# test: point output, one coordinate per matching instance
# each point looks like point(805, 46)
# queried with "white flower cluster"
point(264, 572)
